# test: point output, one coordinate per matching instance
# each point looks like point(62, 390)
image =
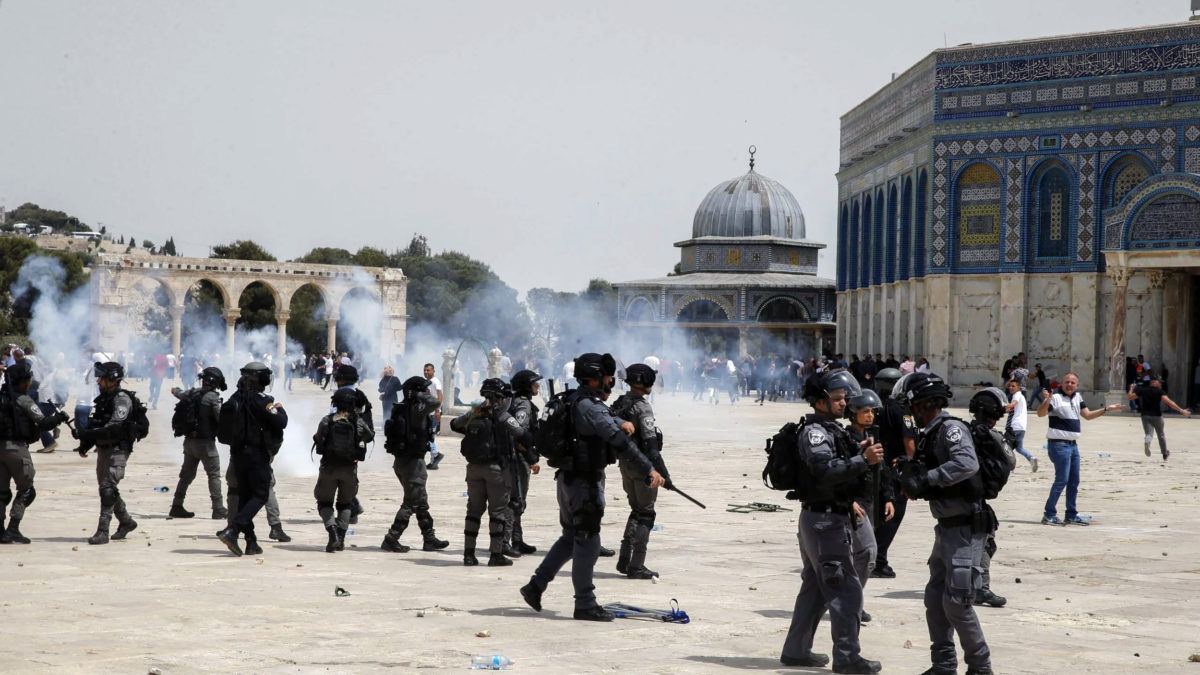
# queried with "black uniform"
point(581, 494)
point(409, 467)
point(524, 455)
point(108, 430)
point(251, 459)
point(636, 409)
point(337, 479)
point(895, 425)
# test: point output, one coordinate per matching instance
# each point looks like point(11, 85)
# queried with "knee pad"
point(109, 496)
point(6, 496)
point(324, 505)
point(646, 517)
point(27, 495)
point(343, 506)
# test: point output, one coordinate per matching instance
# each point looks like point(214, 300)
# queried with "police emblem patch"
point(954, 435)
point(648, 422)
point(816, 437)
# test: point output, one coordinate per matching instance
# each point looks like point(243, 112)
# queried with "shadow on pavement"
point(904, 595)
point(749, 663)
point(774, 613)
point(521, 612)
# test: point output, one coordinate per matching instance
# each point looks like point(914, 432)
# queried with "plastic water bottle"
point(349, 532)
point(464, 493)
point(493, 662)
point(1105, 454)
point(162, 488)
point(656, 528)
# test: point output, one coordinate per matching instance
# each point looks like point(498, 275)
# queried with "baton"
point(671, 486)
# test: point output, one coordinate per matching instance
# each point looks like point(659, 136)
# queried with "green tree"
point(327, 256)
point(168, 248)
point(242, 249)
point(36, 215)
point(14, 251)
point(307, 322)
point(371, 257)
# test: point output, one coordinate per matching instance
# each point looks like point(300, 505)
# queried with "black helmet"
point(18, 372)
point(867, 399)
point(818, 385)
point(345, 400)
point(109, 370)
point(640, 373)
point(522, 381)
point(593, 366)
point(257, 371)
point(415, 383)
point(345, 373)
point(887, 378)
point(492, 387)
point(988, 404)
point(213, 377)
point(926, 387)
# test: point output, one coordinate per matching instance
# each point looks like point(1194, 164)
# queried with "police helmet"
point(18, 372)
point(898, 388)
point(345, 373)
point(593, 366)
point(213, 377)
point(926, 387)
point(257, 371)
point(867, 399)
point(640, 373)
point(344, 400)
point(522, 381)
point(819, 385)
point(988, 404)
point(109, 370)
point(886, 379)
point(415, 383)
point(492, 387)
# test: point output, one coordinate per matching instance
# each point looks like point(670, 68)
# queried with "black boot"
point(858, 666)
point(228, 536)
point(810, 660)
point(532, 595)
point(333, 539)
point(432, 543)
point(13, 532)
point(607, 552)
point(987, 597)
point(278, 534)
point(469, 559)
point(341, 536)
point(437, 459)
point(124, 529)
point(220, 513)
point(252, 547)
point(391, 543)
point(498, 560)
point(623, 557)
point(594, 614)
point(524, 548)
point(510, 551)
point(4, 533)
point(641, 573)
point(100, 537)
point(177, 511)
point(356, 509)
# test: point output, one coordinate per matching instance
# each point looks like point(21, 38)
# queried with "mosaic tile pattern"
point(1084, 246)
point(1115, 217)
point(1012, 227)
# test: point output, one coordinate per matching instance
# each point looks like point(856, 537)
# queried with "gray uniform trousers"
point(15, 465)
point(517, 474)
point(272, 506)
point(337, 484)
point(641, 514)
point(110, 469)
point(955, 576)
point(487, 489)
point(580, 509)
point(197, 451)
point(828, 579)
point(863, 548)
point(412, 475)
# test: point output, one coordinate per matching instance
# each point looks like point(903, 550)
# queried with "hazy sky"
point(557, 141)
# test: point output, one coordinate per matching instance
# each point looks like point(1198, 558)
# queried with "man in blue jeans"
point(1066, 408)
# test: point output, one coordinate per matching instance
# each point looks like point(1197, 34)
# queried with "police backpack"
point(340, 443)
point(479, 440)
point(996, 459)
point(785, 469)
point(185, 421)
point(555, 435)
point(395, 430)
point(231, 427)
point(138, 423)
point(14, 425)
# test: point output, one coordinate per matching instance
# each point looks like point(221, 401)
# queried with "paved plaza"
point(1119, 596)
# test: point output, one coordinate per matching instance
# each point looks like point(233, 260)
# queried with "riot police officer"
point(833, 466)
point(200, 443)
point(987, 406)
point(408, 439)
point(875, 503)
point(599, 438)
point(486, 445)
point(21, 423)
point(341, 441)
point(262, 422)
point(635, 408)
point(899, 435)
point(525, 385)
point(346, 377)
point(942, 472)
point(108, 430)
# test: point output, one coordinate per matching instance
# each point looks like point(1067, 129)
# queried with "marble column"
point(1116, 373)
point(331, 334)
point(177, 330)
point(231, 317)
point(449, 364)
point(281, 319)
point(1152, 325)
point(743, 334)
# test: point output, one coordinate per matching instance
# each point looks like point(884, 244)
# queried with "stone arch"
point(921, 225)
point(864, 242)
point(1050, 211)
point(237, 289)
point(891, 234)
point(339, 296)
point(782, 308)
point(853, 242)
point(976, 222)
point(842, 237)
point(906, 230)
point(1121, 175)
point(693, 300)
point(876, 254)
point(640, 308)
point(1162, 212)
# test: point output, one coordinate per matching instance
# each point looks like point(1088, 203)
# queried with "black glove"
point(74, 433)
point(914, 480)
point(60, 417)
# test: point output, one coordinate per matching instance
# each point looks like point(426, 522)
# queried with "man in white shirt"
point(435, 418)
point(1066, 408)
point(1018, 418)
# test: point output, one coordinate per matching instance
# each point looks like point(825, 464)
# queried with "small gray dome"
point(749, 206)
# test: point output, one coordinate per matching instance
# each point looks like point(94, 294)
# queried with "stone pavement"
point(1119, 596)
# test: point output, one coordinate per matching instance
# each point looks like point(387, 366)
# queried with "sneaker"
point(1033, 464)
point(49, 448)
point(1147, 448)
point(1166, 455)
point(1076, 520)
point(594, 614)
point(1052, 520)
